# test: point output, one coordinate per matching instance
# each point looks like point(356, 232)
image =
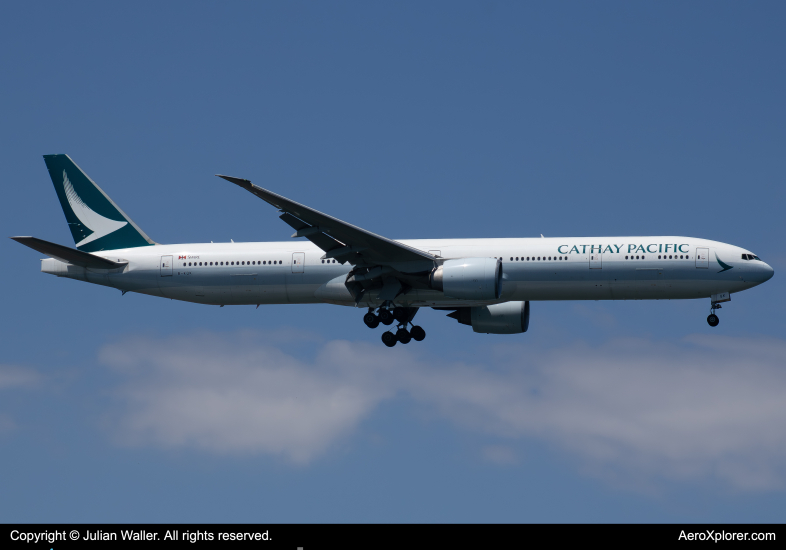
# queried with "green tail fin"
point(96, 222)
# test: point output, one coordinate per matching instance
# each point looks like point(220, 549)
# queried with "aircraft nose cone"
point(768, 273)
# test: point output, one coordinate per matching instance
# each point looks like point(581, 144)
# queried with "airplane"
point(487, 284)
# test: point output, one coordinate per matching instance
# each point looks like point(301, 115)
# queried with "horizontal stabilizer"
point(68, 255)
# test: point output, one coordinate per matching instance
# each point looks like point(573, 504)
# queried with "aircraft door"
point(298, 260)
point(595, 260)
point(703, 258)
point(166, 266)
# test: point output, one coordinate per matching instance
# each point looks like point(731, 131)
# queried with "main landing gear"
point(712, 319)
point(404, 316)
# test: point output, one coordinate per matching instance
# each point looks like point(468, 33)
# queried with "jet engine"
point(469, 278)
point(507, 318)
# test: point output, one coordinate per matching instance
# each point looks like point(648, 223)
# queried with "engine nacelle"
point(507, 318)
point(469, 278)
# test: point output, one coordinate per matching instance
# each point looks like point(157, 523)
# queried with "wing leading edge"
point(341, 240)
point(379, 264)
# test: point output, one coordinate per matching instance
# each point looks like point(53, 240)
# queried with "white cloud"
point(701, 408)
point(238, 396)
point(12, 376)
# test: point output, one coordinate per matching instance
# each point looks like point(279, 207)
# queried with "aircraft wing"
point(341, 240)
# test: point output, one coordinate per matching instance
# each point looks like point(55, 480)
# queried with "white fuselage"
point(605, 268)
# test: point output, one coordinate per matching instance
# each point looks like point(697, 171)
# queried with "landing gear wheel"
point(389, 339)
point(371, 320)
point(417, 333)
point(403, 336)
point(713, 320)
point(400, 314)
point(386, 317)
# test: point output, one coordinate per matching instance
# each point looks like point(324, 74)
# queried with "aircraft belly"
point(562, 290)
point(136, 280)
point(244, 288)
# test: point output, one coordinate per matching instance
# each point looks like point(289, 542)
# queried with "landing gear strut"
point(404, 316)
point(712, 319)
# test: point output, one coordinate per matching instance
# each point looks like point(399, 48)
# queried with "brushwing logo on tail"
point(95, 222)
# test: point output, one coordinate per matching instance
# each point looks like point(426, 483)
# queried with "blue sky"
point(411, 120)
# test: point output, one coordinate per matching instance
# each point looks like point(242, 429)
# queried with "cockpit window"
point(750, 257)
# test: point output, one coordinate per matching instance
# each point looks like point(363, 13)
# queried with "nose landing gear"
point(712, 319)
